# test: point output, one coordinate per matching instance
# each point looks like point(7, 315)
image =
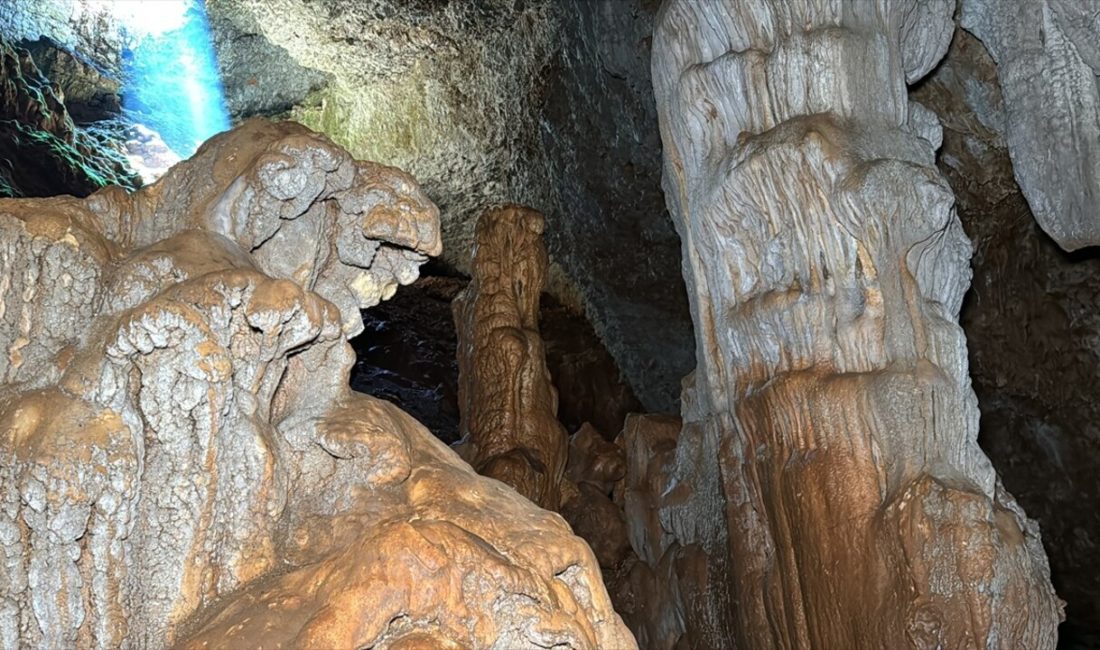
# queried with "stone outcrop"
point(182, 460)
point(1030, 321)
point(838, 497)
point(42, 152)
point(1048, 62)
point(91, 93)
point(508, 406)
point(544, 102)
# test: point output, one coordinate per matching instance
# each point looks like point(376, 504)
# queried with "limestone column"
point(837, 493)
point(508, 403)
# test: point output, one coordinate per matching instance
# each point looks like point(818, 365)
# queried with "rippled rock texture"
point(545, 103)
point(42, 152)
point(839, 495)
point(1031, 324)
point(509, 407)
point(183, 462)
point(1048, 62)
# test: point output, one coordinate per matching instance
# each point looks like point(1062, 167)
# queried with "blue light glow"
point(172, 84)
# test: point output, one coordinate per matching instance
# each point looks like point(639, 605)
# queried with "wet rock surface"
point(183, 461)
point(43, 152)
point(508, 405)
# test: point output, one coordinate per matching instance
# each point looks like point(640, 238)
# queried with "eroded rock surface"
point(182, 461)
point(838, 496)
point(545, 103)
point(508, 405)
point(43, 152)
point(1048, 65)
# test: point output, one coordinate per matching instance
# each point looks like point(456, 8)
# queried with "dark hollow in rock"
point(406, 355)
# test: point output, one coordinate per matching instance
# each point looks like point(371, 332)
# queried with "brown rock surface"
point(508, 405)
point(1031, 322)
point(838, 496)
point(182, 461)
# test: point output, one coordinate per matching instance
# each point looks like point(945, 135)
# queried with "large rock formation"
point(182, 461)
point(544, 102)
point(1048, 63)
point(508, 405)
point(1031, 323)
point(838, 495)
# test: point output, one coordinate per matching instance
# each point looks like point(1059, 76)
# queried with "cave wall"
point(544, 103)
point(599, 130)
point(85, 26)
point(499, 101)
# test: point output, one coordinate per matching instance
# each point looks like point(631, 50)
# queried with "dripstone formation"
point(1048, 64)
point(508, 405)
point(182, 460)
point(832, 491)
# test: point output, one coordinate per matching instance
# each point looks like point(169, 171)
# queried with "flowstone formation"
point(838, 496)
point(1030, 320)
point(182, 460)
point(508, 405)
point(1048, 64)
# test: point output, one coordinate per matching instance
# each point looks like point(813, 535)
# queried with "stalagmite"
point(508, 405)
point(182, 461)
point(828, 471)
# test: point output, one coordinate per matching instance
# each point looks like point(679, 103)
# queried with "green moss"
point(388, 126)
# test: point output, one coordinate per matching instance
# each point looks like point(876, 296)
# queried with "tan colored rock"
point(181, 459)
point(838, 495)
point(594, 459)
point(508, 404)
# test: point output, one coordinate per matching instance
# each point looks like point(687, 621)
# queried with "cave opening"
point(788, 310)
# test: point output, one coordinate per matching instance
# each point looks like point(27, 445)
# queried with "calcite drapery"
point(839, 493)
point(1048, 64)
point(508, 405)
point(181, 459)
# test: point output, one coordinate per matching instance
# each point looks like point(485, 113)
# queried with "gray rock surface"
point(599, 131)
point(1031, 324)
point(544, 103)
point(259, 77)
point(76, 25)
point(1048, 61)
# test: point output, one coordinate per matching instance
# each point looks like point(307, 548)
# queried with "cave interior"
point(549, 324)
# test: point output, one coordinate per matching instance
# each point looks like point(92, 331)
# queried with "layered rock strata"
point(182, 460)
point(838, 497)
point(507, 403)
